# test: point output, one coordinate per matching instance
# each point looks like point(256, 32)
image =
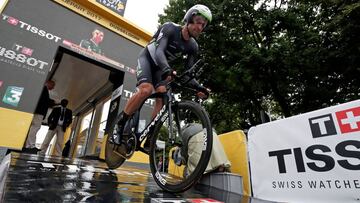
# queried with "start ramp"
point(34, 178)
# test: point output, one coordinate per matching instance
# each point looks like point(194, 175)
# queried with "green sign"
point(12, 95)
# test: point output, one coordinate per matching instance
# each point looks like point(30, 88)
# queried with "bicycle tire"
point(171, 179)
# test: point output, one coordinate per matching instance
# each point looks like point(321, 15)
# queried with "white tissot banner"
point(313, 157)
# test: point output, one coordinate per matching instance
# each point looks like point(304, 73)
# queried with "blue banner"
point(116, 5)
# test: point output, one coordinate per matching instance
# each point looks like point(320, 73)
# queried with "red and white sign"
point(313, 157)
point(349, 120)
point(13, 21)
point(27, 51)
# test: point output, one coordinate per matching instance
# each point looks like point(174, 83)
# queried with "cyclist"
point(170, 42)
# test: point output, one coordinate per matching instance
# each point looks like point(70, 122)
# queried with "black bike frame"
point(168, 99)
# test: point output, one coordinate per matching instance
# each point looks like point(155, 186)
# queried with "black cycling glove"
point(204, 90)
point(167, 72)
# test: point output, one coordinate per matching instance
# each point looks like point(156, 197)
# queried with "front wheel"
point(180, 147)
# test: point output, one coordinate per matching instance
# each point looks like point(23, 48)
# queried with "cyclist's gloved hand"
point(203, 93)
point(168, 72)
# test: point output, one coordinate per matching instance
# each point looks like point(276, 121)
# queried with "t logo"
point(349, 120)
point(322, 126)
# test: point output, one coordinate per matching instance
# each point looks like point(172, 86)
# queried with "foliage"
point(285, 57)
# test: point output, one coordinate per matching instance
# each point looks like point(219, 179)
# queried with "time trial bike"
point(174, 169)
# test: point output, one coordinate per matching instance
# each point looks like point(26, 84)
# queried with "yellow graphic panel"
point(14, 126)
point(235, 147)
point(139, 157)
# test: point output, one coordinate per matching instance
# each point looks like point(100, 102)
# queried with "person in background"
point(160, 164)
point(39, 115)
point(59, 119)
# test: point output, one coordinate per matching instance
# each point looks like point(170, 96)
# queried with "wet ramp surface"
point(32, 178)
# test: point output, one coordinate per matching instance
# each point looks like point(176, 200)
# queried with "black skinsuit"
point(166, 46)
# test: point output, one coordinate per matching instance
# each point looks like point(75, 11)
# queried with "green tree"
point(286, 57)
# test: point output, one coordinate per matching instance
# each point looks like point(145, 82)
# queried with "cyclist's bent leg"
point(158, 101)
point(158, 105)
point(144, 91)
point(144, 76)
point(134, 103)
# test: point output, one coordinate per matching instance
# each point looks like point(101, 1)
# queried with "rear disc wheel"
point(114, 154)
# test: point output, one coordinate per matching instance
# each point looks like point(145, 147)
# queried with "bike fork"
point(171, 129)
point(172, 136)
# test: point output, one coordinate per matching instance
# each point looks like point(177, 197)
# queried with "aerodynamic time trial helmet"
point(198, 9)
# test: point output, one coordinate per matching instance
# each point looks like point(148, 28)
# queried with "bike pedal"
point(115, 140)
